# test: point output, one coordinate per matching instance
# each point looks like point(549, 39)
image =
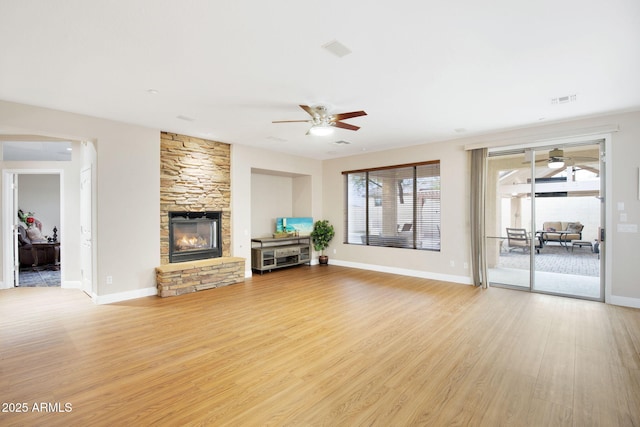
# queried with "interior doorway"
point(71, 165)
point(545, 213)
point(36, 204)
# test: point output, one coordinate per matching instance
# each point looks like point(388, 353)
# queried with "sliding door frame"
point(605, 146)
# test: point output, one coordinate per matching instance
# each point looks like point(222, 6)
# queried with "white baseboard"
point(124, 296)
point(625, 301)
point(140, 293)
point(405, 272)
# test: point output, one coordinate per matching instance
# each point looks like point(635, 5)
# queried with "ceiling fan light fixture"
point(555, 164)
point(321, 130)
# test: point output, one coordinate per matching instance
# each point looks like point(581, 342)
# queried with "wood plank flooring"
point(319, 346)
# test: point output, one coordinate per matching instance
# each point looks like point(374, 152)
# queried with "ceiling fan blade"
point(344, 116)
point(291, 121)
point(540, 161)
point(589, 168)
point(345, 126)
point(309, 110)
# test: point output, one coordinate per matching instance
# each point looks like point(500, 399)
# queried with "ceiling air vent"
point(276, 139)
point(342, 142)
point(563, 99)
point(337, 48)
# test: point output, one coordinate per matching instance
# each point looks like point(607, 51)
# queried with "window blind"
point(394, 206)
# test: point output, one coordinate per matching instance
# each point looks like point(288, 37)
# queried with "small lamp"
point(321, 130)
point(555, 164)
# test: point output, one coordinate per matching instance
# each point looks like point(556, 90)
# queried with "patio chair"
point(519, 238)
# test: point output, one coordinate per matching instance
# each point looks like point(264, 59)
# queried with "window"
point(395, 206)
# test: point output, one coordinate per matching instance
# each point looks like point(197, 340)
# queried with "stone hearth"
point(186, 277)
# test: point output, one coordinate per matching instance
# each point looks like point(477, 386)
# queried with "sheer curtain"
point(478, 183)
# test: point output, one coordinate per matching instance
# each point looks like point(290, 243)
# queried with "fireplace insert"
point(194, 235)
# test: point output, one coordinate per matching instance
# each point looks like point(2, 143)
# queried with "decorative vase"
point(323, 259)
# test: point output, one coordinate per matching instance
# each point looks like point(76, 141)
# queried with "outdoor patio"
point(555, 259)
point(575, 271)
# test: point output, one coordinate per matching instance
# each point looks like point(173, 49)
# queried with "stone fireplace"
point(195, 176)
point(195, 201)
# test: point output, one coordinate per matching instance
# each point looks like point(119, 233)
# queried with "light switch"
point(620, 206)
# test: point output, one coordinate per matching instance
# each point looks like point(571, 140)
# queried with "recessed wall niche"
point(277, 194)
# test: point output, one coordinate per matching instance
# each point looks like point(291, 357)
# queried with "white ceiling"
point(422, 70)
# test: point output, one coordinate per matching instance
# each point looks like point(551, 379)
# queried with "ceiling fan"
point(324, 123)
point(557, 159)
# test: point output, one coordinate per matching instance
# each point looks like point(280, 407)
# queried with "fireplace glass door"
point(193, 236)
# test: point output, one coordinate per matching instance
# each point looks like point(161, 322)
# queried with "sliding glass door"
point(543, 219)
point(508, 220)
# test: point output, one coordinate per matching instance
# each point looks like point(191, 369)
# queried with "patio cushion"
point(552, 226)
point(574, 227)
point(574, 230)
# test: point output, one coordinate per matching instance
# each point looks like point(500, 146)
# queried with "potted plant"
point(321, 235)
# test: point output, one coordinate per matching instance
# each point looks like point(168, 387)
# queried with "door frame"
point(8, 220)
point(606, 207)
point(87, 279)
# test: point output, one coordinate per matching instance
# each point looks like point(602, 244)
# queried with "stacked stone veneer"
point(195, 175)
point(191, 276)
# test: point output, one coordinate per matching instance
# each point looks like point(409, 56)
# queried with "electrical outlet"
point(452, 263)
point(335, 251)
point(466, 265)
point(109, 280)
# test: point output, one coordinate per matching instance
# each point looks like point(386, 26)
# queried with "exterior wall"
point(194, 176)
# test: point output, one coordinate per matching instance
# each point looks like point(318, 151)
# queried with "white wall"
point(623, 160)
point(127, 230)
point(278, 196)
point(243, 160)
point(302, 196)
point(274, 196)
point(128, 195)
point(449, 263)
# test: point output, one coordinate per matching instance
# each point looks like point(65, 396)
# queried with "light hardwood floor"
point(320, 346)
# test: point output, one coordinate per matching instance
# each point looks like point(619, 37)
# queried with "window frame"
point(416, 242)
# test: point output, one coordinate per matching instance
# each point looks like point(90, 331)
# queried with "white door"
point(86, 252)
point(16, 258)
